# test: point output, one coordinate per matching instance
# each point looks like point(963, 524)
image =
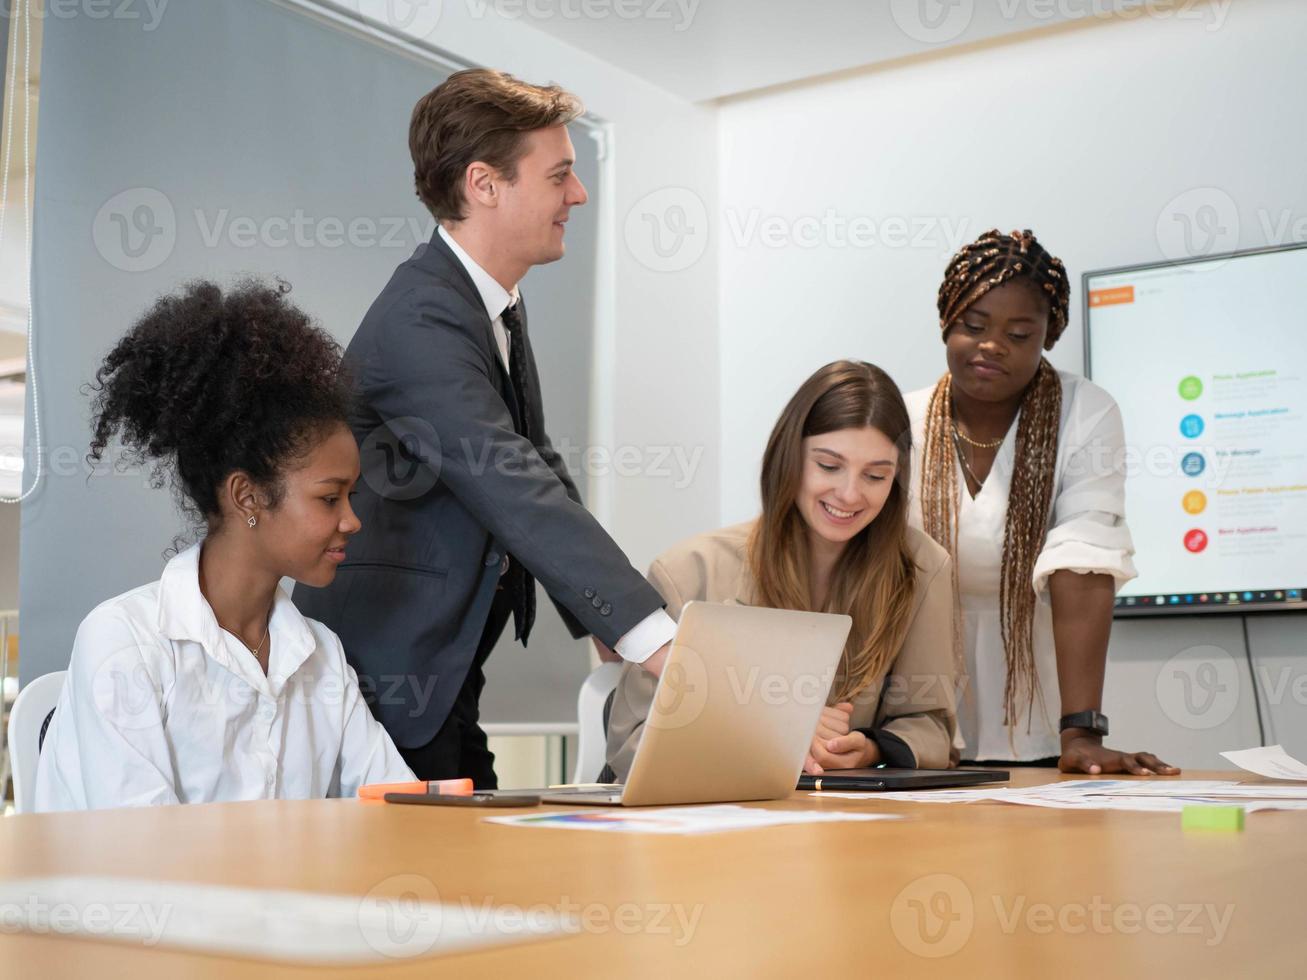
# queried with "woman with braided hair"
point(1020, 480)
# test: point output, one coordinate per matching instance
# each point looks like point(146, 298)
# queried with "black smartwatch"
point(1090, 721)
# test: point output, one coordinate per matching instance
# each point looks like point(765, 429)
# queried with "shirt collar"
point(184, 614)
point(494, 296)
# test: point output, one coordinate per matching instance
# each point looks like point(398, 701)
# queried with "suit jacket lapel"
point(445, 259)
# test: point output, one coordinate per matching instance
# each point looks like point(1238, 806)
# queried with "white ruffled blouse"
point(1087, 533)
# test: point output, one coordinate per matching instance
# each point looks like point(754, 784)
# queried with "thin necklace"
point(994, 444)
point(965, 465)
point(266, 630)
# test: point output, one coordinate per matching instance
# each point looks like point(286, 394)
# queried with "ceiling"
point(711, 49)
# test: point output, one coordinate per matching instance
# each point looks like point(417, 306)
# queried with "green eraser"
point(1212, 818)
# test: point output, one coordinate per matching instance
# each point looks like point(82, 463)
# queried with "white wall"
point(1088, 135)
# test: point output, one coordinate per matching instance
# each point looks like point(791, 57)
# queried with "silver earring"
point(252, 521)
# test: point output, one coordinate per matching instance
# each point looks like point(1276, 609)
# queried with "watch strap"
point(1093, 721)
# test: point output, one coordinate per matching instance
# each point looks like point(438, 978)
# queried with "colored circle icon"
point(1191, 426)
point(1195, 541)
point(1195, 502)
point(1191, 388)
point(1193, 464)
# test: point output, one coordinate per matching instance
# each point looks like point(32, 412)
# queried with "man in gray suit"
point(464, 501)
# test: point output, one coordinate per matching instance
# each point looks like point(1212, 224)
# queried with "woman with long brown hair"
point(833, 537)
point(1021, 480)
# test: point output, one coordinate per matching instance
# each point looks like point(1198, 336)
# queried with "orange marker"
point(447, 787)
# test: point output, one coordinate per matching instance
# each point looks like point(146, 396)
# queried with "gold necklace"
point(994, 444)
point(965, 465)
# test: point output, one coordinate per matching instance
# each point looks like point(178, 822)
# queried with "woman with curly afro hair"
point(208, 685)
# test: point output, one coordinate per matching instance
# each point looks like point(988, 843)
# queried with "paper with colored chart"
point(680, 819)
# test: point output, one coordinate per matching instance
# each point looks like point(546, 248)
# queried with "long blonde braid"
point(991, 261)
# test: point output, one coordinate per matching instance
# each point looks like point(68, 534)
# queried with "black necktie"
point(519, 581)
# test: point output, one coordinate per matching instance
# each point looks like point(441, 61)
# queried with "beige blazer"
point(914, 703)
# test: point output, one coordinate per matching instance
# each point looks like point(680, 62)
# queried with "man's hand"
point(657, 660)
point(607, 655)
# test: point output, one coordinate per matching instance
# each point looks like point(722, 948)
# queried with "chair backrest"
point(36, 700)
point(592, 740)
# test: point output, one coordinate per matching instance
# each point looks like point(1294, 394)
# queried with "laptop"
point(734, 711)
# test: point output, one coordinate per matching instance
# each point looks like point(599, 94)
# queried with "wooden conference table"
point(1002, 890)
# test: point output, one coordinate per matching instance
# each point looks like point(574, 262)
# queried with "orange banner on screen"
point(1112, 297)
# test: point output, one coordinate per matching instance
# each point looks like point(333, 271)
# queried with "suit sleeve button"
point(606, 609)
